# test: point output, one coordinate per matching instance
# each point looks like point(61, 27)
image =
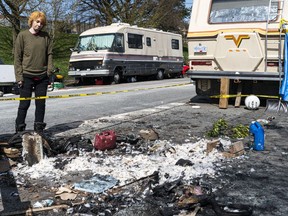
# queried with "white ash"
point(127, 168)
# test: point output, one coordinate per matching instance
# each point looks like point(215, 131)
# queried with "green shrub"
point(61, 49)
point(221, 128)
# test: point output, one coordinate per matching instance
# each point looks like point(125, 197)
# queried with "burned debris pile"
point(135, 175)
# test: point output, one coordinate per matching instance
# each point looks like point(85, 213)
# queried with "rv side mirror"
point(119, 49)
point(118, 43)
point(74, 50)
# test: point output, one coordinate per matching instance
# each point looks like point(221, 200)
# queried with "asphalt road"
point(257, 179)
point(130, 97)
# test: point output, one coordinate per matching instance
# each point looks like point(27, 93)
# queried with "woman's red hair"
point(36, 15)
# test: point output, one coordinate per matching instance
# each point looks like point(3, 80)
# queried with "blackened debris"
point(182, 162)
point(63, 145)
point(129, 138)
point(60, 163)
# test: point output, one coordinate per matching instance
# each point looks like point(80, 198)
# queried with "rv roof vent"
point(154, 29)
point(120, 24)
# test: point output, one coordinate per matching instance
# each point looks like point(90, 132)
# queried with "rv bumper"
point(89, 73)
point(237, 75)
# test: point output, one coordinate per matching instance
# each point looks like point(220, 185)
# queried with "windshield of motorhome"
point(229, 11)
point(95, 42)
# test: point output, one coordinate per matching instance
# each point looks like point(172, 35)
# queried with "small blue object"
point(258, 132)
point(283, 92)
point(97, 184)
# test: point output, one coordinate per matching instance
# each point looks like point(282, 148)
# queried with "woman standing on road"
point(33, 66)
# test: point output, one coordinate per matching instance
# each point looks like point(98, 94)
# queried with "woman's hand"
point(20, 84)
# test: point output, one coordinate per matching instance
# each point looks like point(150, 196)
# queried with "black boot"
point(20, 127)
point(39, 126)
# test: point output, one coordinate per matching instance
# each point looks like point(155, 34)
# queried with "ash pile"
point(116, 174)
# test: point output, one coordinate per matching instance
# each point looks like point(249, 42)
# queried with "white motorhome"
point(237, 39)
point(7, 79)
point(120, 51)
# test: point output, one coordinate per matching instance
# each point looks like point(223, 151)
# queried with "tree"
point(12, 10)
point(168, 15)
point(163, 14)
point(59, 13)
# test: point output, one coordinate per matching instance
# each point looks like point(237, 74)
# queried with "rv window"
point(148, 41)
point(135, 41)
point(175, 44)
point(118, 43)
point(95, 42)
point(229, 11)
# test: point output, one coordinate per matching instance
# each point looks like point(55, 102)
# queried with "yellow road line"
point(90, 94)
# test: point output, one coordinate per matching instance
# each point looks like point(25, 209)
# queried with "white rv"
point(237, 39)
point(7, 79)
point(120, 51)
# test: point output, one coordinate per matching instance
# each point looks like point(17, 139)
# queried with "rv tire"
point(117, 77)
point(160, 75)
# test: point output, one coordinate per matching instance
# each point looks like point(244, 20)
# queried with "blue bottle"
point(258, 132)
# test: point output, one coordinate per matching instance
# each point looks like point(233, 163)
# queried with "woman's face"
point(37, 25)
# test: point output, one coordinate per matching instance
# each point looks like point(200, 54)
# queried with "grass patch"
point(61, 49)
point(6, 44)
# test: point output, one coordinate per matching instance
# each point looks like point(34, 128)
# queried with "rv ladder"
point(279, 4)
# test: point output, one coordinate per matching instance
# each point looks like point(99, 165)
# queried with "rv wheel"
point(160, 75)
point(116, 77)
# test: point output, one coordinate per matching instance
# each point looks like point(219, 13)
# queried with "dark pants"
point(39, 86)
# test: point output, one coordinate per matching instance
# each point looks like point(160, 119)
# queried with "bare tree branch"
point(164, 14)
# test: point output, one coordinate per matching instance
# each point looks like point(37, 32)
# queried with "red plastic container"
point(105, 140)
point(98, 82)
